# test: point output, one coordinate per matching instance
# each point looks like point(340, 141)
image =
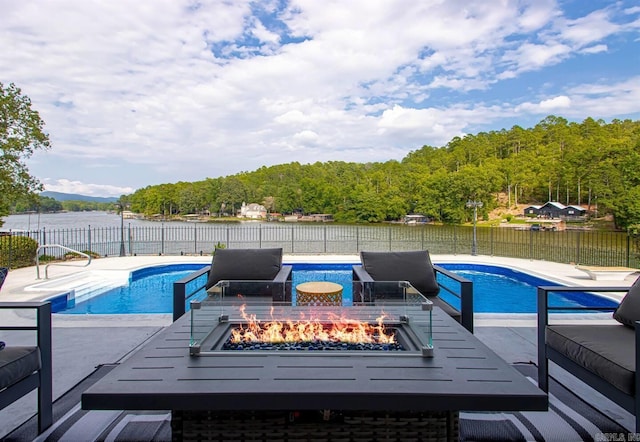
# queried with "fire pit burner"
point(315, 345)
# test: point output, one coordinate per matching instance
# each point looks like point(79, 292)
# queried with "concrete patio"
point(80, 343)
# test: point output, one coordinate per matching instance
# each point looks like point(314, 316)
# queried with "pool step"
point(84, 284)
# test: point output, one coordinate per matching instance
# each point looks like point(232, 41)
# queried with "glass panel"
point(390, 304)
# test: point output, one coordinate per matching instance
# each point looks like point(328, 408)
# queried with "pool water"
point(496, 289)
point(501, 290)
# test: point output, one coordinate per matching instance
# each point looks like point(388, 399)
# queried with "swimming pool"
point(496, 289)
point(504, 290)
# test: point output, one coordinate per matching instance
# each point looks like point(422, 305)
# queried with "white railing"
point(58, 246)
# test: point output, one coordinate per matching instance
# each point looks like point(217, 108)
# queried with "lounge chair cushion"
point(603, 350)
point(413, 266)
point(17, 363)
point(629, 309)
point(244, 264)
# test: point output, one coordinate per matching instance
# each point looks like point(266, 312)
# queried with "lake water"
point(69, 220)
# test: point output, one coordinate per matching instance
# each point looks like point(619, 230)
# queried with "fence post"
point(325, 238)
point(129, 238)
point(10, 248)
point(455, 240)
point(195, 238)
point(578, 248)
point(89, 239)
point(227, 234)
point(292, 243)
point(530, 244)
point(390, 249)
point(357, 239)
point(491, 238)
point(162, 238)
point(260, 235)
point(424, 226)
point(628, 249)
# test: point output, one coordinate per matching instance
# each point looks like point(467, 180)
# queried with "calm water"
point(71, 220)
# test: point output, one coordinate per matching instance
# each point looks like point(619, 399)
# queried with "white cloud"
point(595, 49)
point(164, 90)
point(547, 106)
point(67, 186)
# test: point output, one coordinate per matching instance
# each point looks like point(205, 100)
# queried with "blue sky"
point(161, 91)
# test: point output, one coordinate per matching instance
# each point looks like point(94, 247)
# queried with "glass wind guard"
point(233, 300)
point(412, 307)
point(387, 304)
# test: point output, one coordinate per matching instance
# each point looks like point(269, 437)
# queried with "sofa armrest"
point(282, 285)
point(180, 294)
point(284, 274)
point(360, 274)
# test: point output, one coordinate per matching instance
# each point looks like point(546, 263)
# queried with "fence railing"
point(569, 246)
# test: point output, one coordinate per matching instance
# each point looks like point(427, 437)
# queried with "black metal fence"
point(570, 246)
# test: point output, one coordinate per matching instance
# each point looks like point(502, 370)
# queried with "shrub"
point(17, 251)
point(74, 255)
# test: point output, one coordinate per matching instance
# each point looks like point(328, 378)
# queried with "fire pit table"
point(223, 379)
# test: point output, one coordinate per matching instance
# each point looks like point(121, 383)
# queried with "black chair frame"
point(180, 294)
point(631, 403)
point(41, 379)
point(465, 295)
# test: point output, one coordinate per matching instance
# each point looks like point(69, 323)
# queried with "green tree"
point(21, 134)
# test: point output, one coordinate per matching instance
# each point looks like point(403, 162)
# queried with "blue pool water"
point(496, 289)
point(503, 290)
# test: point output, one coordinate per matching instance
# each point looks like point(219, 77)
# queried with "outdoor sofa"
point(416, 268)
point(26, 368)
point(256, 273)
point(606, 357)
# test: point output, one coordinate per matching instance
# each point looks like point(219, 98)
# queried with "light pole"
point(475, 205)
point(122, 251)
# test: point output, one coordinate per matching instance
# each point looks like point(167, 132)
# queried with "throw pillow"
point(413, 266)
point(629, 309)
point(244, 264)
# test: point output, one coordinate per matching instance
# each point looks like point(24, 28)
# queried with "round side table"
point(319, 293)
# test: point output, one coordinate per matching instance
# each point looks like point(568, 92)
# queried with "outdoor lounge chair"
point(26, 368)
point(416, 268)
point(606, 357)
point(255, 273)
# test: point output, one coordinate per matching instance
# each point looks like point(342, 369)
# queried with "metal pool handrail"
point(46, 268)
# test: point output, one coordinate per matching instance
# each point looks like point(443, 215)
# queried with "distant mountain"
point(59, 196)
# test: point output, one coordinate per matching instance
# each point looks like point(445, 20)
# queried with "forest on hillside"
point(592, 163)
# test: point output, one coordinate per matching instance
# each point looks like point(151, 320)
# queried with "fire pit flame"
point(339, 329)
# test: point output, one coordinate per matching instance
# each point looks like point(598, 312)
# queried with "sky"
point(145, 92)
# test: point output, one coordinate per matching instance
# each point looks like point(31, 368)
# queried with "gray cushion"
point(414, 266)
point(629, 309)
point(605, 350)
point(17, 363)
point(244, 264)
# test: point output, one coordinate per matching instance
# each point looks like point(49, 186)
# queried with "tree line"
point(593, 164)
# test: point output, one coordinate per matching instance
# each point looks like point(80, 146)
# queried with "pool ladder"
point(46, 268)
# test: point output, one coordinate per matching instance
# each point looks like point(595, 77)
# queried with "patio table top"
point(463, 374)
